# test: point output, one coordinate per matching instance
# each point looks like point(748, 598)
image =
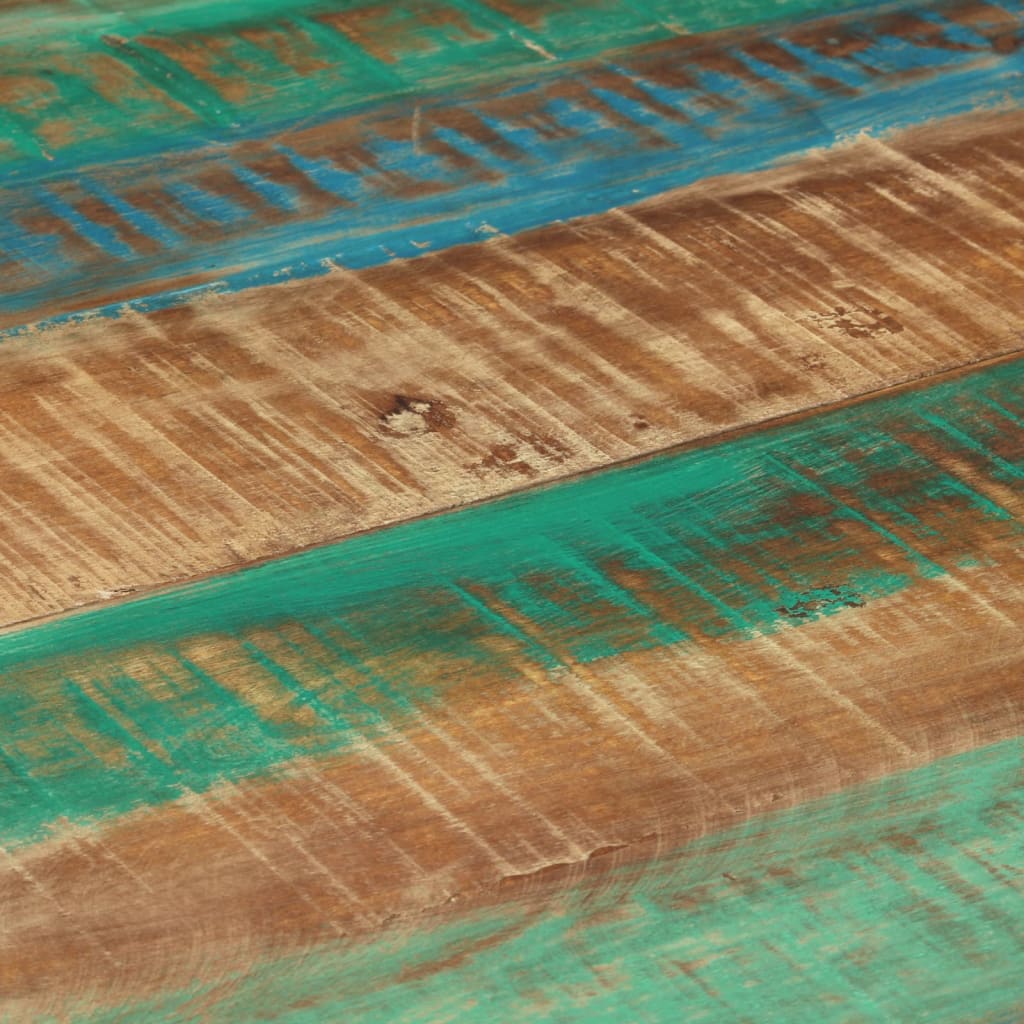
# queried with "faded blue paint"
point(584, 165)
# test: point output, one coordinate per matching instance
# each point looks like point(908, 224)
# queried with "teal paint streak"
point(141, 702)
point(568, 20)
point(895, 901)
point(731, 491)
point(61, 63)
point(477, 161)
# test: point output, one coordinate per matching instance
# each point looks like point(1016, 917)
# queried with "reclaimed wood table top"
point(511, 511)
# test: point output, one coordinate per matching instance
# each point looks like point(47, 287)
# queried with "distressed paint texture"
point(729, 732)
point(244, 426)
point(90, 81)
point(509, 784)
point(783, 525)
point(805, 916)
point(395, 182)
point(458, 705)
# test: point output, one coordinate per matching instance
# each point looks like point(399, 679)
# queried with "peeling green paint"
point(901, 900)
point(145, 701)
point(95, 81)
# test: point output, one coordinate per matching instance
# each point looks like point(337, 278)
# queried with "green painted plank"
point(902, 900)
point(145, 701)
point(399, 179)
point(570, 19)
point(83, 82)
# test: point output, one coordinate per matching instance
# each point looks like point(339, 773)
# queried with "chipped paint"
point(149, 699)
point(393, 182)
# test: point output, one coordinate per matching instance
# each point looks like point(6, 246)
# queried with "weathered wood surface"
point(731, 732)
point(899, 900)
point(424, 173)
point(88, 80)
point(150, 448)
point(504, 696)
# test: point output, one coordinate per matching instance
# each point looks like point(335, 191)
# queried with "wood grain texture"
point(907, 907)
point(90, 80)
point(459, 709)
point(511, 510)
point(403, 178)
point(148, 449)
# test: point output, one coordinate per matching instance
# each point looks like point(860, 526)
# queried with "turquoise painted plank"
point(145, 701)
point(86, 81)
point(402, 181)
point(901, 900)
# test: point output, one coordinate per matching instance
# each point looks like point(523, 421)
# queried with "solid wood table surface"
point(511, 511)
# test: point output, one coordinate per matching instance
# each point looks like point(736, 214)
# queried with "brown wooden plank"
point(510, 791)
point(148, 449)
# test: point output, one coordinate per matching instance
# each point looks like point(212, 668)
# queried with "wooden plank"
point(406, 178)
point(143, 75)
point(147, 449)
point(732, 731)
point(909, 908)
point(462, 708)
